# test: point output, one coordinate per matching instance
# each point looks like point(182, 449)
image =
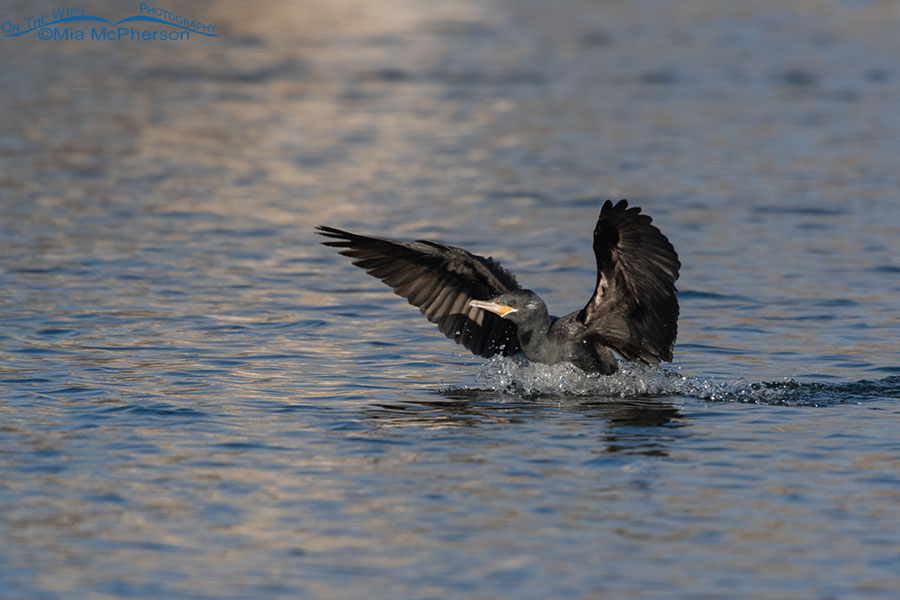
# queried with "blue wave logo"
point(74, 15)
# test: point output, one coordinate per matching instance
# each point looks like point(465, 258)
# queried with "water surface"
point(198, 400)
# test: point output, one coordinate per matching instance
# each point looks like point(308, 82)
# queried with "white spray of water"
point(515, 375)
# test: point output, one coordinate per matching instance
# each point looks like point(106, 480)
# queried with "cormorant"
point(477, 303)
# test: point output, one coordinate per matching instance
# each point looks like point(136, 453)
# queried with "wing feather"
point(634, 309)
point(440, 280)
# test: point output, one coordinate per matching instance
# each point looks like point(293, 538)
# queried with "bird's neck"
point(534, 339)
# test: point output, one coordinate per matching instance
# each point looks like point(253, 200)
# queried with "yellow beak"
point(499, 309)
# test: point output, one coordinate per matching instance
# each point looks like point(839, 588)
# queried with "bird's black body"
point(547, 339)
point(479, 304)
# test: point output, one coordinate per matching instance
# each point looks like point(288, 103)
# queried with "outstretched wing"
point(440, 280)
point(634, 309)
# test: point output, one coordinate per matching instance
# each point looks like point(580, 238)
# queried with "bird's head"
point(518, 306)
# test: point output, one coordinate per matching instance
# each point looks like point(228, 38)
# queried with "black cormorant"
point(477, 303)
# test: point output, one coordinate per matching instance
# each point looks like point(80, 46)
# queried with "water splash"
point(515, 375)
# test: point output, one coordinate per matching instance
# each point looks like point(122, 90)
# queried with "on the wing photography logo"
point(150, 24)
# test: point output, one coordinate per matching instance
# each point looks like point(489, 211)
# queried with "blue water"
point(197, 400)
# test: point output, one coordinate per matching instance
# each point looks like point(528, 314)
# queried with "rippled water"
point(198, 400)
